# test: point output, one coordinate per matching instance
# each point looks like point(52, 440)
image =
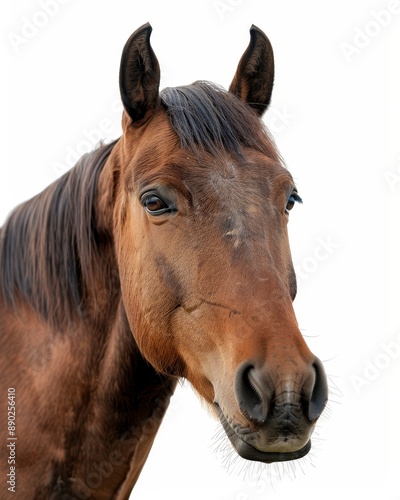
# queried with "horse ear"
point(139, 75)
point(254, 77)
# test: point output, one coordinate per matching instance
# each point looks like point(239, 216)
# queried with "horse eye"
point(154, 204)
point(293, 198)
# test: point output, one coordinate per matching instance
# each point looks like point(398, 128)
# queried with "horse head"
point(201, 206)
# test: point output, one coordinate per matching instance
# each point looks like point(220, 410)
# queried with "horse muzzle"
point(275, 421)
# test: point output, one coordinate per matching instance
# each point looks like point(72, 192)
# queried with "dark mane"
point(48, 243)
point(207, 117)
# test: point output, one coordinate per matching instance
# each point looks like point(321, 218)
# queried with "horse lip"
point(248, 452)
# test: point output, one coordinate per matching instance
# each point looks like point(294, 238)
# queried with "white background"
point(335, 116)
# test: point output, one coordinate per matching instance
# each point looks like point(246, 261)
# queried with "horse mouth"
point(249, 452)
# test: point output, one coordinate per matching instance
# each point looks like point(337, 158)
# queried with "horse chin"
point(249, 452)
point(245, 450)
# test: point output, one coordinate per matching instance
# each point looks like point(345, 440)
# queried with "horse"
point(161, 256)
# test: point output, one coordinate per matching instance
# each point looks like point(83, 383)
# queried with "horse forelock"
point(208, 118)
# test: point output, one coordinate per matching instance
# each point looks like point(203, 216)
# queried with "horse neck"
point(130, 403)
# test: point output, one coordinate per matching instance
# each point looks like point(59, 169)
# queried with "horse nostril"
point(257, 399)
point(251, 393)
point(319, 395)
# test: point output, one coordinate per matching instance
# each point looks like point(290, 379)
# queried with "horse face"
point(204, 260)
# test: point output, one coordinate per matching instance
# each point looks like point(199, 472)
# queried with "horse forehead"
point(246, 182)
point(240, 197)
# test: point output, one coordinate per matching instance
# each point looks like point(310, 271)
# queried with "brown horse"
point(160, 256)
